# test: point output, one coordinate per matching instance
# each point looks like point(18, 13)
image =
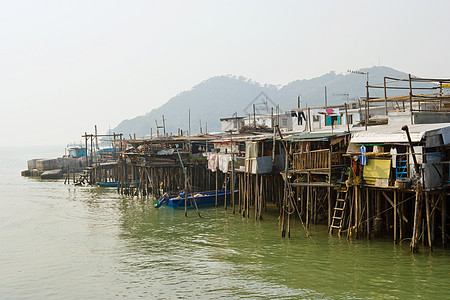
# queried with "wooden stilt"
point(416, 227)
point(402, 195)
point(444, 219)
point(427, 205)
point(225, 196)
point(260, 198)
point(368, 213)
point(308, 192)
point(217, 183)
point(395, 217)
point(256, 195)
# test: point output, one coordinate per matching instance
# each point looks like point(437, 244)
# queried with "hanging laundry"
point(301, 115)
point(213, 160)
point(377, 149)
point(224, 161)
point(363, 158)
point(394, 157)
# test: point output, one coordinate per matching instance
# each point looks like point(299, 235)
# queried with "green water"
point(65, 242)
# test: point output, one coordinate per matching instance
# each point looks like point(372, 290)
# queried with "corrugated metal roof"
point(393, 133)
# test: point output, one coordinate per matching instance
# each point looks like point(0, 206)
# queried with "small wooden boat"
point(202, 199)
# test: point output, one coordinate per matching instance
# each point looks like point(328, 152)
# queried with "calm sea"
point(65, 242)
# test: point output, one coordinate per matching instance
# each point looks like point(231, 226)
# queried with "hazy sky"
point(68, 65)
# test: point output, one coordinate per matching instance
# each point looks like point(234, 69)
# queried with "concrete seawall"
point(53, 168)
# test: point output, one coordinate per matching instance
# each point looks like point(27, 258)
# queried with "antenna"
point(345, 96)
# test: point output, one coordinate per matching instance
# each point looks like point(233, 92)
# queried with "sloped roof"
point(393, 133)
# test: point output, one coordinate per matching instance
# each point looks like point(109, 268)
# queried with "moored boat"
point(108, 184)
point(202, 199)
point(114, 183)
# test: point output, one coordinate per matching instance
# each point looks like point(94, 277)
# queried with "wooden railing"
point(317, 159)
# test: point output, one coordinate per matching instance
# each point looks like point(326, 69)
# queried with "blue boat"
point(114, 183)
point(108, 184)
point(202, 199)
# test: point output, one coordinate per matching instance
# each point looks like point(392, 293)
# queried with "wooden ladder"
point(339, 211)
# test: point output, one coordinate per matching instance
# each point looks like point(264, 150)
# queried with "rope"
point(386, 210)
point(292, 202)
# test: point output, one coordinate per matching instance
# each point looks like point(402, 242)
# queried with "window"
point(284, 122)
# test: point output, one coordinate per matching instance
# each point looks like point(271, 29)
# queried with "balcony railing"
point(317, 159)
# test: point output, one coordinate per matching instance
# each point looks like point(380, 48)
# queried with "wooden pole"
point(96, 142)
point(285, 196)
point(308, 195)
point(217, 183)
point(232, 173)
point(402, 197)
point(385, 98)
point(329, 183)
point(164, 126)
point(368, 213)
point(346, 117)
point(86, 148)
point(366, 106)
point(433, 207)
point(427, 205)
point(410, 99)
point(189, 137)
point(415, 237)
point(256, 196)
point(309, 119)
point(225, 195)
point(395, 214)
point(240, 191)
point(260, 197)
point(443, 219)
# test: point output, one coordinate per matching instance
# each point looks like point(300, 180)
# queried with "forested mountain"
point(221, 96)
